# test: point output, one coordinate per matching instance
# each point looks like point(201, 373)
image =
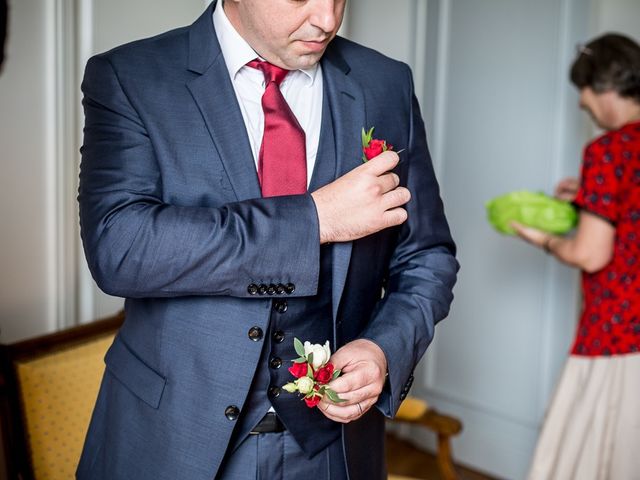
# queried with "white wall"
point(45, 285)
point(25, 183)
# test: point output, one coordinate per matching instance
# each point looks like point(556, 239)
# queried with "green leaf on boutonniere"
point(333, 396)
point(300, 360)
point(310, 372)
point(297, 344)
point(310, 359)
point(336, 374)
point(367, 136)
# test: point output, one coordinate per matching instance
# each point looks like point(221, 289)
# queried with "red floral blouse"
point(610, 188)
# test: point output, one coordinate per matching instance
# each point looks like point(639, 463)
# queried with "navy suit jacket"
point(172, 219)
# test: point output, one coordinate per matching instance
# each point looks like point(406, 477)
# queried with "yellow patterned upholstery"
point(58, 392)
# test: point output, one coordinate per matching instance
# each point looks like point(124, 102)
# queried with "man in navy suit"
point(219, 279)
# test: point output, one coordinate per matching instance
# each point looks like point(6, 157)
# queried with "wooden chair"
point(48, 387)
point(417, 412)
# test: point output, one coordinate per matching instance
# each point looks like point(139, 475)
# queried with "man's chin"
point(306, 60)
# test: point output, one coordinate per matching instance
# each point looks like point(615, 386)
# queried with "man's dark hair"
point(609, 62)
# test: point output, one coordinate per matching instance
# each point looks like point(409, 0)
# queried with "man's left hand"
point(364, 367)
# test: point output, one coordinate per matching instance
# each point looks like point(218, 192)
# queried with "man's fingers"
point(389, 181)
point(382, 163)
point(346, 413)
point(394, 217)
point(359, 395)
point(396, 198)
point(358, 385)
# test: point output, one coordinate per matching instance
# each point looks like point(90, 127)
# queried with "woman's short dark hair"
point(609, 62)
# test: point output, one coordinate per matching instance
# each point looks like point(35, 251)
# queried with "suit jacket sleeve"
point(137, 245)
point(422, 272)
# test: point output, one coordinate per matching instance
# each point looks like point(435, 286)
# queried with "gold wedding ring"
point(359, 408)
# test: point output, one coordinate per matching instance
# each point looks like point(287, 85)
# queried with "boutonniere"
point(372, 147)
point(312, 371)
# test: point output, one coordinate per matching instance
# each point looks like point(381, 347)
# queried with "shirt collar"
point(235, 49)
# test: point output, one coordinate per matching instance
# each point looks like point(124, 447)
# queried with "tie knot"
point(272, 73)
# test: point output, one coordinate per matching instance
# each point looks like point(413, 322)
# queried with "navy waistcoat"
point(306, 318)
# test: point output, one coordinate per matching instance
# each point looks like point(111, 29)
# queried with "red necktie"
point(282, 162)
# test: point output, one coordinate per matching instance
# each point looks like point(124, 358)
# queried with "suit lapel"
point(346, 101)
point(213, 92)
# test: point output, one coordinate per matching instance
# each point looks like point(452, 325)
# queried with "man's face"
point(292, 34)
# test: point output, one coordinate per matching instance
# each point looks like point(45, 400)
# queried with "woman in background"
point(592, 426)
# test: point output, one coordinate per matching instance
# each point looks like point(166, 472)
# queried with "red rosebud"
point(323, 375)
point(375, 148)
point(299, 370)
point(313, 401)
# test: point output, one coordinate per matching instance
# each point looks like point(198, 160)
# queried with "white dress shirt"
point(302, 89)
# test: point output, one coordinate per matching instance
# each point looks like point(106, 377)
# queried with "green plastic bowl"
point(534, 209)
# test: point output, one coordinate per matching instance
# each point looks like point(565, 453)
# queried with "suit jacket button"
point(290, 288)
point(271, 289)
point(232, 412)
point(403, 395)
point(262, 289)
point(252, 289)
point(255, 333)
point(278, 336)
point(280, 306)
point(275, 363)
point(274, 391)
point(280, 289)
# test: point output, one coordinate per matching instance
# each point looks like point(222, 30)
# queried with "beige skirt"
point(592, 426)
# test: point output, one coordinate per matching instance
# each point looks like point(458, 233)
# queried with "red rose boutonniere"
point(312, 371)
point(372, 147)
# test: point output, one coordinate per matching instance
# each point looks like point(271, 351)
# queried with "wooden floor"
point(405, 459)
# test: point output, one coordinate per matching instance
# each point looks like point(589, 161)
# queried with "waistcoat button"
point(280, 306)
point(274, 391)
point(275, 363)
point(278, 336)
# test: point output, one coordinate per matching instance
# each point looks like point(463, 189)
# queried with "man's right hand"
point(364, 201)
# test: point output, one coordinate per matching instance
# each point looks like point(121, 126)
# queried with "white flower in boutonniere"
point(321, 353)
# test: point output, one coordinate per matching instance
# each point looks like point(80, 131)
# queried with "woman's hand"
point(567, 189)
point(590, 249)
point(531, 235)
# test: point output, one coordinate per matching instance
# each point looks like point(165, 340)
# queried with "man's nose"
point(326, 14)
